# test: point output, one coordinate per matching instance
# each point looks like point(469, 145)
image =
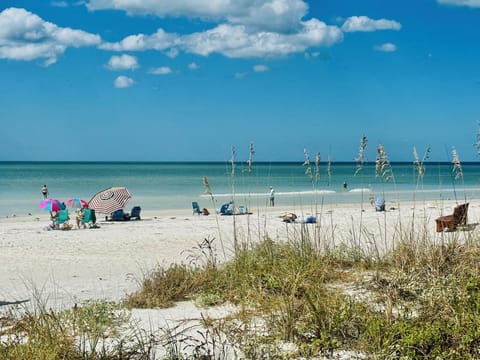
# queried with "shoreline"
point(69, 266)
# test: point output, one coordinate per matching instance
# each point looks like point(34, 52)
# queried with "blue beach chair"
point(196, 208)
point(135, 213)
point(118, 215)
point(226, 209)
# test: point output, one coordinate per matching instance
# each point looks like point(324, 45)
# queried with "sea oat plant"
point(360, 159)
point(248, 170)
point(251, 152)
point(457, 171)
point(314, 175)
point(419, 165)
point(383, 170)
point(232, 194)
point(208, 191)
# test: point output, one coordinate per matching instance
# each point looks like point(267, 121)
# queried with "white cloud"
point(172, 53)
point(25, 36)
point(122, 62)
point(235, 41)
point(363, 23)
point(260, 68)
point(272, 15)
point(123, 82)
point(140, 42)
point(245, 29)
point(468, 3)
point(387, 47)
point(163, 70)
point(193, 66)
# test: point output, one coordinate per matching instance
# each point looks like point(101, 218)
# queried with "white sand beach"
point(68, 266)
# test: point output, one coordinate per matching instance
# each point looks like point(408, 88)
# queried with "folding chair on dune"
point(451, 222)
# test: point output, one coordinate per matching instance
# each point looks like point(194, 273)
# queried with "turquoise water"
point(162, 186)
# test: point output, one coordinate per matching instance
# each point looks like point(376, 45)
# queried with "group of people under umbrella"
point(104, 202)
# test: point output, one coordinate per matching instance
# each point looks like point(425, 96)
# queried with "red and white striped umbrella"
point(110, 200)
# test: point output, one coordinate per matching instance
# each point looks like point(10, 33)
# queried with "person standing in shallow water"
point(45, 191)
point(272, 196)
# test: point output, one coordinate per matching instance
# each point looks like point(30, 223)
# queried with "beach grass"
point(420, 300)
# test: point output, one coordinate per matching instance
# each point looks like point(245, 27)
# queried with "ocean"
point(174, 185)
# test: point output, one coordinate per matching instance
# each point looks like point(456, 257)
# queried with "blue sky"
point(164, 80)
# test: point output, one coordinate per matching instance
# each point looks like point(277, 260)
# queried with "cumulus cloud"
point(468, 3)
point(163, 70)
point(236, 41)
point(123, 82)
point(25, 36)
point(363, 23)
point(387, 47)
point(260, 68)
point(245, 29)
point(271, 15)
point(122, 62)
point(141, 42)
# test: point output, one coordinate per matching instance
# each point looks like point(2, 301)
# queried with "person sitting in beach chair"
point(53, 217)
point(380, 204)
point(79, 215)
point(89, 218)
point(226, 209)
point(61, 220)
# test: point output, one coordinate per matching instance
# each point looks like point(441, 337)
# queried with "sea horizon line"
point(262, 162)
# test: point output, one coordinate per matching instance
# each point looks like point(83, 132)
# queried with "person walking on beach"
point(272, 196)
point(44, 191)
